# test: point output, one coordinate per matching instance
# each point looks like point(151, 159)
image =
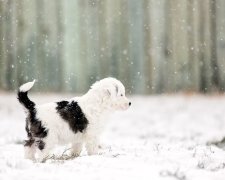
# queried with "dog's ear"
point(117, 89)
point(112, 91)
point(108, 92)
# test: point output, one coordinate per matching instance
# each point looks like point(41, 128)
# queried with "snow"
point(159, 137)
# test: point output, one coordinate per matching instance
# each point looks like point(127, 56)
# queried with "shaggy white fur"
point(104, 97)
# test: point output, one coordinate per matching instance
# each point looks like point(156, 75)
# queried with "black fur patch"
point(40, 144)
point(72, 113)
point(29, 142)
point(34, 127)
point(25, 101)
point(37, 130)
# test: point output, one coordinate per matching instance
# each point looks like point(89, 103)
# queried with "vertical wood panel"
point(103, 39)
point(25, 41)
point(171, 68)
point(92, 41)
point(148, 58)
point(20, 42)
point(125, 63)
point(136, 45)
point(71, 57)
point(157, 44)
point(112, 32)
point(59, 15)
point(179, 45)
point(193, 45)
point(2, 45)
point(220, 41)
point(41, 49)
point(205, 46)
point(10, 44)
point(83, 35)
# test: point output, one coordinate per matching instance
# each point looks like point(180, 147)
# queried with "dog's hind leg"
point(43, 155)
point(29, 149)
point(42, 151)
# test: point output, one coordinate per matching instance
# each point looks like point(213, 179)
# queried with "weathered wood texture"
point(151, 46)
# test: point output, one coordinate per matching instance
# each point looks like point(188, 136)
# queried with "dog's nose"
point(129, 103)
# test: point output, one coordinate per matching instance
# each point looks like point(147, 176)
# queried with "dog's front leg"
point(29, 152)
point(76, 149)
point(92, 145)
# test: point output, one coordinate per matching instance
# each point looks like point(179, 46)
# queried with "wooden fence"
point(152, 46)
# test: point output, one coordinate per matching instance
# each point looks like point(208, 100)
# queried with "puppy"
point(78, 121)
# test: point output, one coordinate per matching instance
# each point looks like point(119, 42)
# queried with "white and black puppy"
point(78, 121)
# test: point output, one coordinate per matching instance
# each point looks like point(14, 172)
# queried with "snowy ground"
point(159, 137)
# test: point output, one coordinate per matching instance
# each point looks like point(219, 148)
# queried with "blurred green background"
point(152, 46)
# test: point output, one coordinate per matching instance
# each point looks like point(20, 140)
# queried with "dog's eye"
point(121, 95)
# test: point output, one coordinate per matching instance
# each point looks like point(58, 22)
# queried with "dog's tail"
point(23, 98)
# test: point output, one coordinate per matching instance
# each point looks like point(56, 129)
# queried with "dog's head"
point(113, 93)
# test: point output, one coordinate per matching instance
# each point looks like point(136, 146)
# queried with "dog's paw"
point(103, 146)
point(93, 152)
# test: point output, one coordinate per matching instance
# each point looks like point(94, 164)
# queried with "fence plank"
point(103, 39)
point(147, 71)
point(59, 15)
point(71, 57)
point(2, 45)
point(136, 45)
point(205, 45)
point(125, 63)
point(93, 41)
point(10, 44)
point(193, 46)
point(220, 24)
point(158, 66)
